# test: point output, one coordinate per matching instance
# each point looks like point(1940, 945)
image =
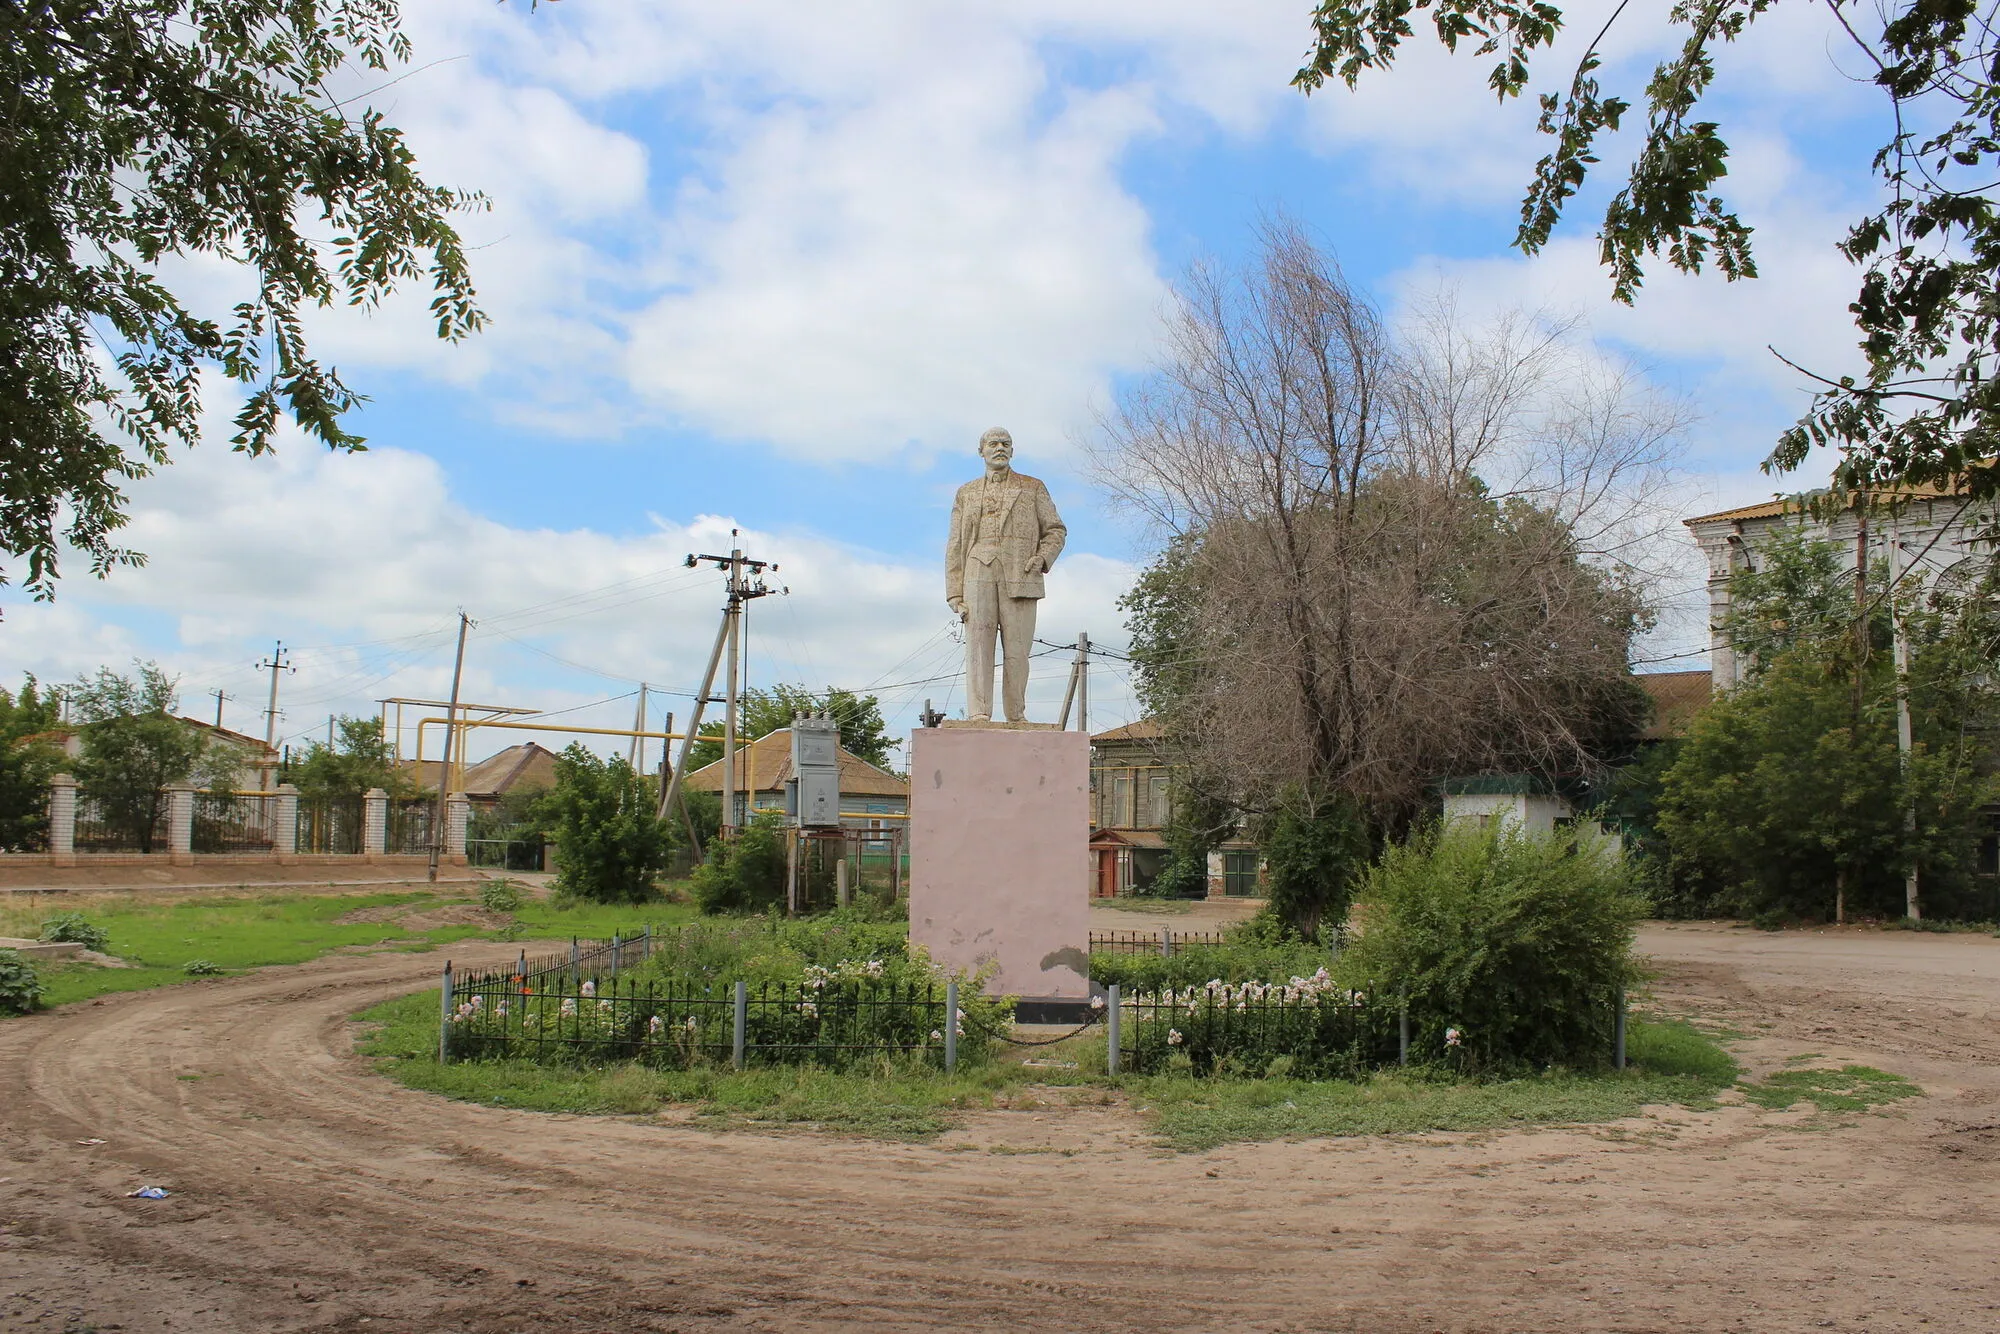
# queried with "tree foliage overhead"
point(137, 133)
point(1928, 305)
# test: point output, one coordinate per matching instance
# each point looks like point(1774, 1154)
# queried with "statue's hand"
point(957, 606)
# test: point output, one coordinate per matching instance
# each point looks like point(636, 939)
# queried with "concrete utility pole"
point(746, 584)
point(635, 754)
point(276, 663)
point(1078, 690)
point(450, 733)
point(1904, 740)
point(219, 696)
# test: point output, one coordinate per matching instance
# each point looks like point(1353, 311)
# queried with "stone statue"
point(1005, 534)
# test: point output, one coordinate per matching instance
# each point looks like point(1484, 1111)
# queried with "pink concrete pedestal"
point(1000, 856)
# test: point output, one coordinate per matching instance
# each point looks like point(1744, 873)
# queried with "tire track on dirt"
point(311, 1193)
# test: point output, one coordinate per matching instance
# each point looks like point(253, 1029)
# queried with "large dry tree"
point(1389, 556)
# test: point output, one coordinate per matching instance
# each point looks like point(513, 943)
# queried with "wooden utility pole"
point(1078, 690)
point(219, 696)
point(276, 662)
point(450, 734)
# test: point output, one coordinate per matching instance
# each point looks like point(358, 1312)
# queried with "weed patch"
point(1852, 1088)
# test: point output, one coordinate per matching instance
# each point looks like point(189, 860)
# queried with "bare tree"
point(1393, 555)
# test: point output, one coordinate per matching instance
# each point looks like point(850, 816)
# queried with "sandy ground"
point(311, 1194)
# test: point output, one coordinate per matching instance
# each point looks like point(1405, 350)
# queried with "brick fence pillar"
point(374, 823)
point(62, 820)
point(285, 823)
point(180, 823)
point(457, 813)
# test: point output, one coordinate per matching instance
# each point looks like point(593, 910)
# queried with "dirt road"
point(311, 1194)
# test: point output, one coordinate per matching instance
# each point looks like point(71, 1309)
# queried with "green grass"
point(161, 937)
point(1671, 1064)
point(892, 1102)
point(1852, 1088)
point(538, 919)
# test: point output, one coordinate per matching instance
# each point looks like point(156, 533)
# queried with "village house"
point(870, 796)
point(1130, 805)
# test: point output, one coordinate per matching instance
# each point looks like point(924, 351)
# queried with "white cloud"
point(361, 562)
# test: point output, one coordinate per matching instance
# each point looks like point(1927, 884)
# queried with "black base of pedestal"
point(1070, 1012)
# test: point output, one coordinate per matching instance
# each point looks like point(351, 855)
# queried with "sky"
point(760, 273)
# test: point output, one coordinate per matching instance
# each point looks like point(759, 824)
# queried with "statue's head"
point(996, 447)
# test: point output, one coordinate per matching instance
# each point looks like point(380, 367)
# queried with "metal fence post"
point(1618, 1044)
point(1403, 1033)
point(444, 1018)
point(951, 1025)
point(646, 949)
point(742, 1021)
point(1111, 1029)
point(575, 963)
point(617, 953)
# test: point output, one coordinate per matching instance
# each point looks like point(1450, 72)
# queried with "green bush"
point(74, 926)
point(1517, 943)
point(748, 874)
point(611, 845)
point(202, 968)
point(1315, 852)
point(20, 986)
point(499, 895)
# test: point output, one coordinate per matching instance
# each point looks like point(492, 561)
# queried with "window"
point(1239, 874)
point(1121, 802)
point(1157, 815)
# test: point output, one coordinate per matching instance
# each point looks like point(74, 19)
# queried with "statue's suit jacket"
point(1031, 536)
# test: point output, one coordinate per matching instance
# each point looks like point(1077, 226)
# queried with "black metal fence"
point(526, 852)
point(109, 826)
point(409, 826)
point(555, 1019)
point(233, 822)
point(329, 824)
point(1306, 1028)
point(1163, 942)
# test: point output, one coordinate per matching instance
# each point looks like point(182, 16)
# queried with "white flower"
point(873, 968)
point(655, 1025)
point(1097, 1002)
point(808, 1009)
point(936, 1036)
point(1453, 1038)
point(569, 1006)
point(590, 988)
point(692, 1024)
point(1173, 1037)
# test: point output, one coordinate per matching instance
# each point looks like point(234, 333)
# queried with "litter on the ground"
point(147, 1193)
point(89, 1143)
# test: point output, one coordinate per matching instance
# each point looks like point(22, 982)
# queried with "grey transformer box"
point(812, 794)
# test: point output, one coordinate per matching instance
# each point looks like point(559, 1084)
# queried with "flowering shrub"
point(1316, 1027)
point(1251, 950)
